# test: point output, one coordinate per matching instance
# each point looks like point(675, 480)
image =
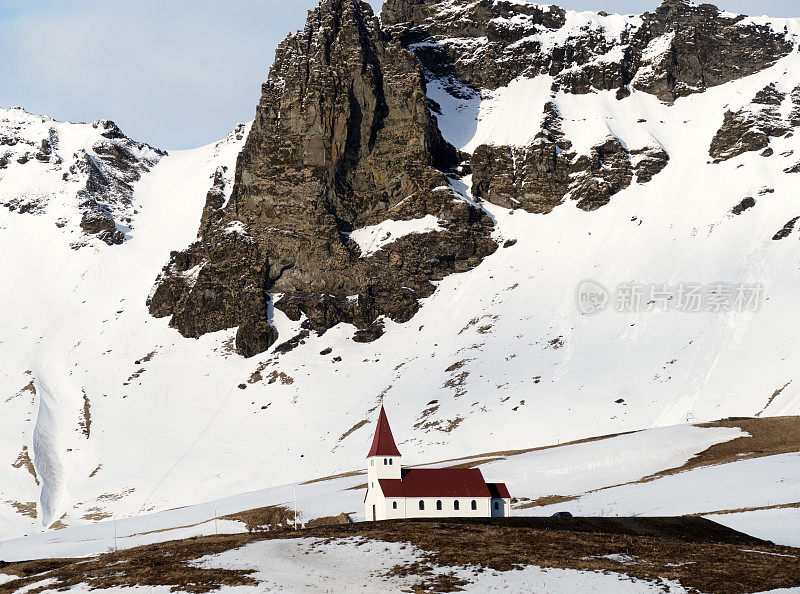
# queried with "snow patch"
point(375, 237)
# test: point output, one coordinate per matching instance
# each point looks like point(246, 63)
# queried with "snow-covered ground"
point(583, 470)
point(576, 469)
point(772, 480)
point(362, 566)
point(373, 238)
point(310, 565)
point(781, 526)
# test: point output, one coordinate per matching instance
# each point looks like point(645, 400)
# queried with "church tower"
point(383, 459)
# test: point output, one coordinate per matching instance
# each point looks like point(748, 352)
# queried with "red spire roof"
point(383, 442)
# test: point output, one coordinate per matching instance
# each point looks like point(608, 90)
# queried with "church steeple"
point(383, 441)
point(384, 457)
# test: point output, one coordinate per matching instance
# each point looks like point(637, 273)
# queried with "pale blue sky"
point(175, 73)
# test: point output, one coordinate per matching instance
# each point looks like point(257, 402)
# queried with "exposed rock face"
point(745, 204)
point(683, 48)
point(786, 231)
point(677, 50)
point(751, 128)
point(100, 175)
point(471, 40)
point(542, 175)
point(114, 164)
point(343, 138)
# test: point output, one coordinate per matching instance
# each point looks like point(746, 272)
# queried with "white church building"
point(395, 492)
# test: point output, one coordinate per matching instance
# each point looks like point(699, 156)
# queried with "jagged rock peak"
point(89, 169)
point(343, 139)
point(678, 49)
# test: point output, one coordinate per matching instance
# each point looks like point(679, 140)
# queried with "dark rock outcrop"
point(786, 231)
point(343, 138)
point(744, 205)
point(704, 48)
point(103, 172)
point(111, 168)
point(649, 162)
point(751, 128)
point(678, 49)
point(542, 175)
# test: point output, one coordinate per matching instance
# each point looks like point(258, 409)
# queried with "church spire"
point(383, 442)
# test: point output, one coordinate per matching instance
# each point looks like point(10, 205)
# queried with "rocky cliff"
point(679, 49)
point(347, 139)
point(343, 139)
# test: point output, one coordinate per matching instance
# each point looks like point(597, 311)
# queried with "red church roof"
point(383, 442)
point(436, 482)
point(498, 490)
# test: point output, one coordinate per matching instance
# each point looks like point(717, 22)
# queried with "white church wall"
point(394, 513)
point(448, 509)
point(501, 508)
point(374, 505)
point(384, 467)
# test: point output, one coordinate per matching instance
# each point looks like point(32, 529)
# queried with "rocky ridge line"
point(343, 139)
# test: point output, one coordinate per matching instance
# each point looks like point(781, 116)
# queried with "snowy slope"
point(116, 414)
point(604, 476)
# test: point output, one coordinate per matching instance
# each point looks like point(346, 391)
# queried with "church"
point(395, 492)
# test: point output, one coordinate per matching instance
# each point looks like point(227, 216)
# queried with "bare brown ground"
point(354, 428)
point(342, 518)
point(775, 394)
point(794, 505)
point(58, 524)
point(155, 565)
point(701, 555)
point(334, 476)
point(95, 513)
point(24, 459)
point(273, 517)
point(549, 500)
point(770, 436)
point(24, 508)
point(357, 487)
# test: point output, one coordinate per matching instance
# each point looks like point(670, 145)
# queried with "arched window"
point(474, 504)
point(439, 505)
point(497, 505)
point(385, 461)
point(421, 504)
point(455, 505)
point(394, 505)
point(390, 461)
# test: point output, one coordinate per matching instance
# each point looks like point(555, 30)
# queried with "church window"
point(439, 505)
point(385, 462)
point(421, 504)
point(390, 461)
point(394, 505)
point(497, 505)
point(474, 504)
point(455, 505)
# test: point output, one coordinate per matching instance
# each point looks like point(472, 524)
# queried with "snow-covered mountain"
point(431, 208)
